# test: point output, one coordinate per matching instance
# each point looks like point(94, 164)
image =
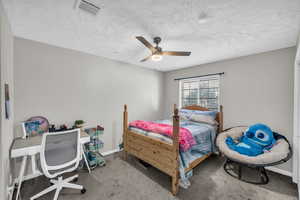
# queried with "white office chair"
point(61, 153)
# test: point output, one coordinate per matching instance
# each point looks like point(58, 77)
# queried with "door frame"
point(296, 135)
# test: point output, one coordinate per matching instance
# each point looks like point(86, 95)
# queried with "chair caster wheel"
point(83, 191)
point(75, 180)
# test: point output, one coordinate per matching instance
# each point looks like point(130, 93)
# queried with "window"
point(202, 91)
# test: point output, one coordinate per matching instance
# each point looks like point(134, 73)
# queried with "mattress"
point(204, 135)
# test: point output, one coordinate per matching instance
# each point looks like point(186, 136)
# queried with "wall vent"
point(88, 6)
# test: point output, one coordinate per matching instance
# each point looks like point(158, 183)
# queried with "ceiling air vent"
point(88, 6)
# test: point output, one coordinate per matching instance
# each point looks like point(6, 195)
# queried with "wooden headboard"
point(219, 117)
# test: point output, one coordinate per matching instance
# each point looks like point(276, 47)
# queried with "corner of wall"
point(6, 125)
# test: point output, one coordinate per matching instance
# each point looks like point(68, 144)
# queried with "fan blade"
point(146, 43)
point(176, 53)
point(145, 59)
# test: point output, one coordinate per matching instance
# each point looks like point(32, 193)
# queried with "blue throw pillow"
point(212, 114)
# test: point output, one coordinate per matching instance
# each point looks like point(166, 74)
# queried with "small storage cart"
point(92, 148)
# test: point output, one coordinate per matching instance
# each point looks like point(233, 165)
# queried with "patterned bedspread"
point(186, 139)
point(204, 135)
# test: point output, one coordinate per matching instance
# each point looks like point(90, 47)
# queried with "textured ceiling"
point(233, 27)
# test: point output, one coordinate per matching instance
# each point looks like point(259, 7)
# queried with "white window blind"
point(202, 91)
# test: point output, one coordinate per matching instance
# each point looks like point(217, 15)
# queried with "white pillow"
point(185, 114)
point(203, 119)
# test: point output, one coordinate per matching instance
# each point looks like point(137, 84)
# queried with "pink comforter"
point(186, 140)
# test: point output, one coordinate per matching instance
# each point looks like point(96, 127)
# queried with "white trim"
point(179, 94)
point(296, 135)
point(106, 153)
point(218, 77)
point(279, 171)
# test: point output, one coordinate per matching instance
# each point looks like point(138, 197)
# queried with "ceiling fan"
point(156, 52)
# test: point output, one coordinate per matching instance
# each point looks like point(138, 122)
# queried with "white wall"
point(6, 125)
point(64, 85)
point(256, 88)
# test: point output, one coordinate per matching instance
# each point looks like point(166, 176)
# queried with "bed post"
point(125, 127)
point(221, 119)
point(175, 177)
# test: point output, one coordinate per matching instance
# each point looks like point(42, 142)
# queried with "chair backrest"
point(60, 152)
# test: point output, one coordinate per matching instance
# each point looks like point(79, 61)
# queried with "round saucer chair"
point(235, 162)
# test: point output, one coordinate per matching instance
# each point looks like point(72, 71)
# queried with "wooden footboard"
point(159, 154)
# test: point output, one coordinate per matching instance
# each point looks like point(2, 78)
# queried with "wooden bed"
point(162, 155)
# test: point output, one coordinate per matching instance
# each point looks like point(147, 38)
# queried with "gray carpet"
point(120, 180)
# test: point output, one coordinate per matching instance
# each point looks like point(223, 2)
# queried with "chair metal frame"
point(264, 178)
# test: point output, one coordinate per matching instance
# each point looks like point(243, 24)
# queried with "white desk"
point(30, 147)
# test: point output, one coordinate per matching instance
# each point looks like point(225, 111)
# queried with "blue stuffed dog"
point(255, 140)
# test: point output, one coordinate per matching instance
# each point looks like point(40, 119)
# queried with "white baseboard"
point(106, 153)
point(279, 171)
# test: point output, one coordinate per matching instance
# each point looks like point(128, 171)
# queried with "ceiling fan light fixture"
point(157, 52)
point(156, 57)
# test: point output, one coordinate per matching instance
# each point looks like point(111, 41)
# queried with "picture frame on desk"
point(35, 126)
point(30, 128)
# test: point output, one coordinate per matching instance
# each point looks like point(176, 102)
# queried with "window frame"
point(198, 79)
